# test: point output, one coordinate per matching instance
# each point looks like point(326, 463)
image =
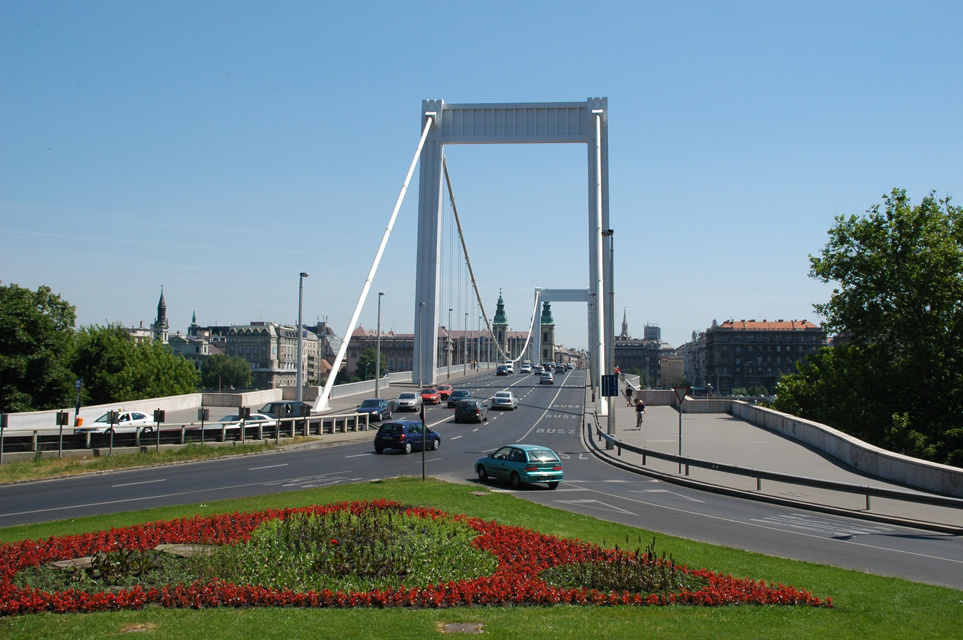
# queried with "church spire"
point(160, 326)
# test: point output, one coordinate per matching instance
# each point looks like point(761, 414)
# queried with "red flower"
point(522, 555)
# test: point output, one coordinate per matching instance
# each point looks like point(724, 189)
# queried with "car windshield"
point(428, 391)
point(461, 393)
point(391, 427)
point(233, 418)
point(503, 394)
point(406, 396)
point(542, 455)
point(103, 418)
point(370, 403)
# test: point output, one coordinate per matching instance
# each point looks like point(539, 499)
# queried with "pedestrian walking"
point(639, 412)
point(628, 395)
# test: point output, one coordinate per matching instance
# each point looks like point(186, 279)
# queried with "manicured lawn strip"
point(865, 605)
point(46, 468)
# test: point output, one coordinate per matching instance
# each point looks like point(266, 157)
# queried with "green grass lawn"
point(26, 470)
point(866, 606)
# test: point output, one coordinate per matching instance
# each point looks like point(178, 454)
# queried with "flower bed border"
point(522, 554)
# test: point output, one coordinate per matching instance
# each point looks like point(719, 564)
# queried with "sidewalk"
point(725, 439)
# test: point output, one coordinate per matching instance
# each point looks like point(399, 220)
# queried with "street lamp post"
point(299, 379)
point(449, 348)
point(378, 352)
point(421, 322)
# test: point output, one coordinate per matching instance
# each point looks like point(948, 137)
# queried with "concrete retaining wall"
point(886, 465)
point(48, 419)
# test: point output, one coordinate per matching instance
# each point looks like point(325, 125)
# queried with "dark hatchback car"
point(457, 396)
point(471, 410)
point(376, 408)
point(406, 436)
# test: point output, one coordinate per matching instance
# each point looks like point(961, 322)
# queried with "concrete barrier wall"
point(886, 465)
point(48, 419)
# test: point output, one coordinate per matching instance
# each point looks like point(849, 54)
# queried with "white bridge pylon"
point(514, 123)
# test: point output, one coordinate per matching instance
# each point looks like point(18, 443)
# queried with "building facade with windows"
point(745, 353)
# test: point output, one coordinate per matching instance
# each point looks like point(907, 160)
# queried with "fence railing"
point(686, 464)
point(37, 443)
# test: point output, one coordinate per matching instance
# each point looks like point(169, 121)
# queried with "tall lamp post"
point(450, 348)
point(300, 380)
point(378, 352)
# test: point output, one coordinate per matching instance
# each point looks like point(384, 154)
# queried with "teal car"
point(521, 463)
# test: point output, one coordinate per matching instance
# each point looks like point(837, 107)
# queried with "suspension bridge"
point(444, 124)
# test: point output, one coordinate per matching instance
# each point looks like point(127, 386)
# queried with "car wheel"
point(108, 432)
point(407, 447)
point(378, 449)
point(482, 474)
point(552, 485)
point(387, 416)
point(516, 481)
point(435, 444)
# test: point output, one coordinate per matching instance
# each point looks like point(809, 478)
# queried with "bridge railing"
point(26, 444)
point(868, 492)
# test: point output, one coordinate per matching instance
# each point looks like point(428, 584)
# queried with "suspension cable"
point(471, 272)
point(322, 402)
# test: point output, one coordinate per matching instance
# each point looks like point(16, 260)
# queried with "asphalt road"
point(551, 415)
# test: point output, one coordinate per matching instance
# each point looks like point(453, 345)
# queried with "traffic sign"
point(610, 385)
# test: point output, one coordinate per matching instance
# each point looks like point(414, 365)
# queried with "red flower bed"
point(522, 555)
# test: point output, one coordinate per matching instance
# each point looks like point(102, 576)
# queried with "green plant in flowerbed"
point(359, 554)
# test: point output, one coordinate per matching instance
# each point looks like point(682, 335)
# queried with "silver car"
point(125, 422)
point(408, 401)
point(504, 400)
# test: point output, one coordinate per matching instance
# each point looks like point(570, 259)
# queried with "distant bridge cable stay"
point(464, 247)
point(321, 404)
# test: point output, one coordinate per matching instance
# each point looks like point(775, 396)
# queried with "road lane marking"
point(270, 466)
point(781, 530)
point(131, 484)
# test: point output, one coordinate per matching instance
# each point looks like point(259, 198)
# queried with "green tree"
point(36, 334)
point(220, 371)
point(116, 369)
point(366, 364)
point(898, 380)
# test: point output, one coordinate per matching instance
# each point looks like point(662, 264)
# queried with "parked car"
point(376, 408)
point(457, 396)
point(409, 401)
point(126, 422)
point(430, 395)
point(445, 390)
point(502, 370)
point(504, 400)
point(520, 463)
point(546, 377)
point(471, 410)
point(290, 409)
point(405, 435)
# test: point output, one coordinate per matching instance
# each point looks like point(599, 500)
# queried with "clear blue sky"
point(218, 149)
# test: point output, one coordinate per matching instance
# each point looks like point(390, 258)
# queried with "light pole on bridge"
point(378, 352)
point(299, 381)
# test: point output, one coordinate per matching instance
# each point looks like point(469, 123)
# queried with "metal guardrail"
point(34, 441)
point(759, 476)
